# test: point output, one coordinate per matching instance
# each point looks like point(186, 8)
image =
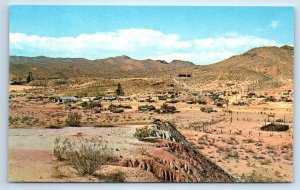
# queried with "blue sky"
point(199, 34)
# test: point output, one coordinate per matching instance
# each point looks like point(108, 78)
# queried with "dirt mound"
point(175, 162)
point(173, 159)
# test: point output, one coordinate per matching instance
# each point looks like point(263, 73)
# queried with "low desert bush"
point(115, 108)
point(231, 154)
point(60, 82)
point(73, 119)
point(146, 108)
point(207, 109)
point(142, 133)
point(84, 155)
point(60, 148)
point(266, 162)
point(249, 140)
point(91, 105)
point(256, 178)
point(165, 108)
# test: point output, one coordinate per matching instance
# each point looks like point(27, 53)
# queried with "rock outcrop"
point(173, 159)
point(167, 131)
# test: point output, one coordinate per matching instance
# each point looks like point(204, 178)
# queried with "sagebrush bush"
point(146, 107)
point(142, 133)
point(165, 108)
point(84, 155)
point(59, 150)
point(73, 119)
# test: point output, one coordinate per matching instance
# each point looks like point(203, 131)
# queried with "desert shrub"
point(84, 155)
point(256, 178)
point(115, 108)
point(17, 81)
point(84, 104)
point(126, 106)
point(266, 162)
point(250, 150)
point(165, 108)
point(221, 149)
point(275, 127)
point(239, 103)
point(60, 82)
point(201, 100)
point(202, 142)
point(73, 119)
point(142, 133)
point(114, 177)
point(51, 126)
point(249, 140)
point(39, 83)
point(119, 106)
point(90, 105)
point(207, 109)
point(191, 100)
point(172, 101)
point(219, 105)
point(231, 154)
point(60, 148)
point(95, 104)
point(289, 145)
point(146, 108)
point(271, 99)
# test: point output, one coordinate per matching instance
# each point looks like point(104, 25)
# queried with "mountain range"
point(261, 64)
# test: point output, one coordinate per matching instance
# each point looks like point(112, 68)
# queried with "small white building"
point(109, 98)
point(65, 99)
point(87, 99)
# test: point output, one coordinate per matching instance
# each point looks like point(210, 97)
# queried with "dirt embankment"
point(177, 161)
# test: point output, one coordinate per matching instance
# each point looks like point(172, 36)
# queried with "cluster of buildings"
point(74, 99)
point(219, 98)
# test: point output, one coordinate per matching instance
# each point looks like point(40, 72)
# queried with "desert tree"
point(119, 90)
point(29, 77)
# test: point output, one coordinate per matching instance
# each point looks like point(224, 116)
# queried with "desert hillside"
point(74, 67)
point(263, 63)
point(259, 68)
point(268, 62)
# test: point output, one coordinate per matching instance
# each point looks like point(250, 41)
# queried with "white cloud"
point(126, 39)
point(235, 42)
point(138, 43)
point(274, 24)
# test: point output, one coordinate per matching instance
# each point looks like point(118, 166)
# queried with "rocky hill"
point(265, 66)
point(69, 67)
point(270, 62)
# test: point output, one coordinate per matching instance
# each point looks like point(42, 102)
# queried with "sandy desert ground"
point(234, 142)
